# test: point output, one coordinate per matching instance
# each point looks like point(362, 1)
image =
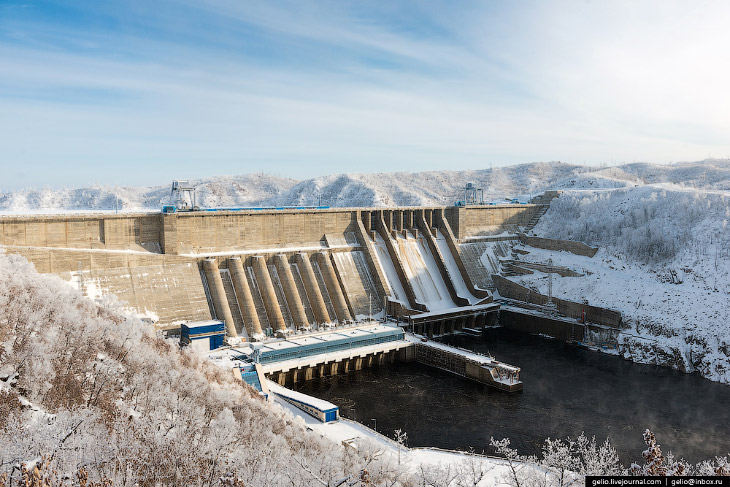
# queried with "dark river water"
point(567, 390)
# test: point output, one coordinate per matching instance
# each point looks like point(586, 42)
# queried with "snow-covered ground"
point(663, 263)
point(389, 189)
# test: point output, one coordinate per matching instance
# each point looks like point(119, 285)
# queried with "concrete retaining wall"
point(595, 314)
point(441, 359)
point(529, 323)
point(459, 364)
point(578, 248)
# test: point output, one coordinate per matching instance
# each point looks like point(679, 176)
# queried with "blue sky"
point(138, 92)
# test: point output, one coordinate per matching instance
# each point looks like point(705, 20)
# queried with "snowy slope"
point(382, 189)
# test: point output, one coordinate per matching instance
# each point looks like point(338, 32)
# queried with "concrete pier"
point(333, 286)
point(312, 287)
point(276, 319)
point(218, 295)
point(290, 291)
point(244, 296)
point(286, 374)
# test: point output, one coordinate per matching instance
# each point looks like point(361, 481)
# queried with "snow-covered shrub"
point(647, 224)
point(90, 389)
point(656, 462)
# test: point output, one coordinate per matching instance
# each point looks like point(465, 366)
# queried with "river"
point(567, 390)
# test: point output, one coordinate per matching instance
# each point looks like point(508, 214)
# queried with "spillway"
point(423, 273)
point(462, 290)
point(398, 293)
point(482, 259)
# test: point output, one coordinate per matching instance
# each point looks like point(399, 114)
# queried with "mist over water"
point(568, 390)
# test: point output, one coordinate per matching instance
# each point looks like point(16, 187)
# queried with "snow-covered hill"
point(381, 189)
point(664, 262)
point(248, 189)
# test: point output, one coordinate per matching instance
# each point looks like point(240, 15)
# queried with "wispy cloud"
point(133, 93)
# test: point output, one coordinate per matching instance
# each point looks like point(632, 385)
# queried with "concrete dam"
point(278, 271)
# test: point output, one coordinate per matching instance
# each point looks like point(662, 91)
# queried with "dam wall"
point(138, 231)
point(473, 221)
point(203, 232)
point(206, 232)
point(297, 269)
point(163, 288)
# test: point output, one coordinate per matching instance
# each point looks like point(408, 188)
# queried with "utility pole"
point(550, 304)
point(370, 308)
point(550, 281)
